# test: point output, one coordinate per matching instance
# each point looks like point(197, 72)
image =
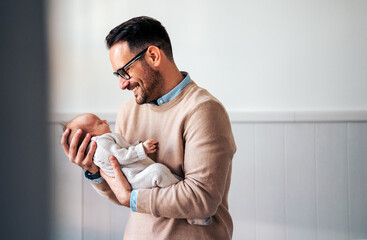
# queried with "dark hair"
point(139, 33)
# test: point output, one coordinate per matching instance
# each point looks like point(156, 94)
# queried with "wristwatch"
point(92, 176)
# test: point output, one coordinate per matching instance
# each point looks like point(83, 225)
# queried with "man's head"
point(141, 56)
point(139, 33)
point(88, 123)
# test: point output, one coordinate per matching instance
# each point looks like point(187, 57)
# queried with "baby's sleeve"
point(107, 147)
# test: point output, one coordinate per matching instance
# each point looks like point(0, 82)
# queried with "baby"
point(141, 171)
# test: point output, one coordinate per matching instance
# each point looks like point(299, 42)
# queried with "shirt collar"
point(174, 92)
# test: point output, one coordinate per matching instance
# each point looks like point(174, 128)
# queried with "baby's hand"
point(150, 146)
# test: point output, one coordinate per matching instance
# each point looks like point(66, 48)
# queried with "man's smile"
point(135, 90)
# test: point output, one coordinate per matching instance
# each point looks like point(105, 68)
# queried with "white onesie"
point(141, 171)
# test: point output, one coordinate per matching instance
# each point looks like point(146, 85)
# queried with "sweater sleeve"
point(209, 149)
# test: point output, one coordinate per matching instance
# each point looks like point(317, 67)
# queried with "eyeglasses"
point(122, 71)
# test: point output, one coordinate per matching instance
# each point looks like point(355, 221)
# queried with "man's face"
point(144, 81)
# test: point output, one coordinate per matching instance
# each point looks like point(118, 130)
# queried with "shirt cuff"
point(140, 151)
point(93, 177)
point(133, 198)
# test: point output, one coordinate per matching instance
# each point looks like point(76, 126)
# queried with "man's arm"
point(104, 190)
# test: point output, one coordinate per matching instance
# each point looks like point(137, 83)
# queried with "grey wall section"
point(299, 181)
point(23, 140)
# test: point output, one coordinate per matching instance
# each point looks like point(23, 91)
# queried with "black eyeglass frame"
point(121, 72)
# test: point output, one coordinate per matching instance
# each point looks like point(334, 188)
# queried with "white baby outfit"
point(141, 171)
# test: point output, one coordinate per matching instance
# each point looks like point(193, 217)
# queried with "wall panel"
point(96, 214)
point(270, 181)
point(242, 202)
point(332, 181)
point(300, 181)
point(289, 181)
point(67, 193)
point(357, 173)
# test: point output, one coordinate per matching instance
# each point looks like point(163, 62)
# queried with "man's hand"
point(76, 155)
point(118, 184)
point(150, 146)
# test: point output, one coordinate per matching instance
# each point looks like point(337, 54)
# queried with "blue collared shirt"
point(160, 101)
point(174, 92)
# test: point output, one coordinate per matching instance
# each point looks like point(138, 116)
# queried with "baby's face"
point(94, 124)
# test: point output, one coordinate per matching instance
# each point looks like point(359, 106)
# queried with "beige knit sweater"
point(196, 143)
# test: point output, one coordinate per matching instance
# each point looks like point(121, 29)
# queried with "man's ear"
point(154, 56)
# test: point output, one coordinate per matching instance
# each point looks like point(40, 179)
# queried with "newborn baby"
point(141, 171)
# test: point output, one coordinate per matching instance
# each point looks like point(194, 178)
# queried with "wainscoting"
point(293, 178)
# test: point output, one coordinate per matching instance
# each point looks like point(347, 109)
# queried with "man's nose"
point(123, 83)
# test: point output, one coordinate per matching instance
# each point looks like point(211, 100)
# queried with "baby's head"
point(88, 123)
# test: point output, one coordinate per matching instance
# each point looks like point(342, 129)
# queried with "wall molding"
point(298, 116)
point(237, 116)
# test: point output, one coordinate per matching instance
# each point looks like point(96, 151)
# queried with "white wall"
point(252, 55)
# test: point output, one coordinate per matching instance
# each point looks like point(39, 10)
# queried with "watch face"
point(92, 175)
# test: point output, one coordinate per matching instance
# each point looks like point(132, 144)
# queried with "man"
point(193, 131)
